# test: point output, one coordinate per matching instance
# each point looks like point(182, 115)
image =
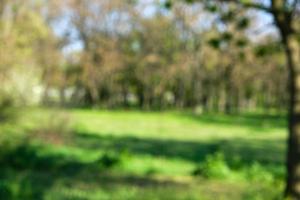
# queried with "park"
point(150, 100)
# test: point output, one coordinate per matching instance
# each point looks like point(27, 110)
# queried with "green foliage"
point(22, 30)
point(211, 7)
point(227, 36)
point(109, 160)
point(257, 172)
point(214, 166)
point(6, 191)
point(170, 59)
point(168, 4)
point(7, 111)
point(242, 42)
point(264, 191)
point(228, 16)
point(26, 156)
point(268, 49)
point(215, 43)
point(126, 154)
point(243, 23)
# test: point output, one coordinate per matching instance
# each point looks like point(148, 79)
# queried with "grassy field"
point(92, 154)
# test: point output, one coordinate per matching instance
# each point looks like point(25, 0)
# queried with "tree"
point(285, 14)
point(22, 28)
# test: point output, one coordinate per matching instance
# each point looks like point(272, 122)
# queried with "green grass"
point(156, 152)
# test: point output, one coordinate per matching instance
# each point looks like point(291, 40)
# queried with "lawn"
point(99, 154)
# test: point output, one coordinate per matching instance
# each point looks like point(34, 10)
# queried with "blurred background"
point(140, 99)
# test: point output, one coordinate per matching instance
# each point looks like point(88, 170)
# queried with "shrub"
point(5, 191)
point(214, 166)
point(257, 172)
point(6, 108)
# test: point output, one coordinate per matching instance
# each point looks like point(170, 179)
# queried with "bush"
point(257, 172)
point(6, 108)
point(214, 166)
point(5, 191)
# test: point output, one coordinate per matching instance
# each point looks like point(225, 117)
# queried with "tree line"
point(128, 58)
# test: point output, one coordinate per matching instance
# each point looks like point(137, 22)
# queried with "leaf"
point(243, 23)
point(228, 16)
point(227, 36)
point(211, 7)
point(168, 4)
point(215, 43)
point(241, 42)
point(267, 49)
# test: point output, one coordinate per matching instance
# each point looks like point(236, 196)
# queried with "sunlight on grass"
point(155, 153)
point(176, 125)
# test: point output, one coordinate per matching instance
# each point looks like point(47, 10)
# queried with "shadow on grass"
point(248, 151)
point(252, 121)
point(35, 174)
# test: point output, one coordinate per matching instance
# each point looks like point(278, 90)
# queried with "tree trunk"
point(124, 96)
point(45, 96)
point(62, 96)
point(292, 50)
point(93, 90)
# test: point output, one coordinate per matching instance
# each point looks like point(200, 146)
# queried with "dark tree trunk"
point(292, 49)
point(228, 89)
point(284, 21)
point(124, 96)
